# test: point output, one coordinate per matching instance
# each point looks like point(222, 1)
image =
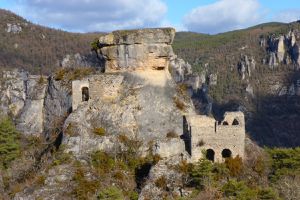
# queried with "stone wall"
point(203, 133)
point(104, 86)
point(77, 86)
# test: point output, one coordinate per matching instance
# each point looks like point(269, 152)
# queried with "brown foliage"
point(235, 165)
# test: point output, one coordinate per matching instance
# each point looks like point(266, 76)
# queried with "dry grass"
point(179, 104)
point(172, 134)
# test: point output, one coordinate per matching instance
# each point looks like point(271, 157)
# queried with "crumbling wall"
point(77, 86)
point(208, 134)
point(104, 86)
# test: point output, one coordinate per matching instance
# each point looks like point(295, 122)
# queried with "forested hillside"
point(36, 48)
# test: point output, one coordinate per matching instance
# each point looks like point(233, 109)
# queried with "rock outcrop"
point(57, 106)
point(180, 69)
point(146, 107)
point(14, 28)
point(137, 49)
point(22, 96)
point(246, 66)
point(296, 53)
point(283, 49)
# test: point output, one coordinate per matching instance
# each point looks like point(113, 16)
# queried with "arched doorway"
point(235, 122)
point(85, 94)
point(225, 123)
point(226, 153)
point(210, 155)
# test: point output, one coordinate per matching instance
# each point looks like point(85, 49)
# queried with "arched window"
point(235, 122)
point(210, 155)
point(225, 123)
point(226, 153)
point(85, 94)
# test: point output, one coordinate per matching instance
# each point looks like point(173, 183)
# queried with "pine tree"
point(9, 142)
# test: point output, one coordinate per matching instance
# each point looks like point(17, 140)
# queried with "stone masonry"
point(218, 140)
point(104, 86)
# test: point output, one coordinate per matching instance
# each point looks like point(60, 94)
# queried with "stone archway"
point(235, 122)
point(226, 153)
point(210, 155)
point(85, 94)
point(225, 123)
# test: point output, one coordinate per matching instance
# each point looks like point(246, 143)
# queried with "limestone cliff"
point(137, 49)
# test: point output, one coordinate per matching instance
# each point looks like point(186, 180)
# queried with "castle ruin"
point(218, 140)
point(147, 54)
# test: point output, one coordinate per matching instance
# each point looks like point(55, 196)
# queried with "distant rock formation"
point(283, 49)
point(14, 28)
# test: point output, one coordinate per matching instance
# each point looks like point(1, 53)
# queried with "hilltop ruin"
point(147, 54)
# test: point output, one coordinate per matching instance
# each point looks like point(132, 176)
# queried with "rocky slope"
point(147, 107)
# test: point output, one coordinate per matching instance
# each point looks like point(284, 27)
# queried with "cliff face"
point(22, 96)
point(137, 49)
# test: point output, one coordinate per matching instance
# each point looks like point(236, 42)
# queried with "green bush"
point(238, 190)
point(284, 162)
point(99, 131)
point(111, 193)
point(202, 174)
point(9, 142)
point(102, 162)
point(268, 194)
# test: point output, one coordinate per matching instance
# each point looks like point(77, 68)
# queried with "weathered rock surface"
point(281, 49)
point(296, 53)
point(246, 66)
point(57, 106)
point(30, 120)
point(57, 183)
point(273, 60)
point(23, 96)
point(137, 49)
point(174, 178)
point(144, 109)
point(78, 61)
point(179, 69)
point(213, 79)
point(13, 28)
